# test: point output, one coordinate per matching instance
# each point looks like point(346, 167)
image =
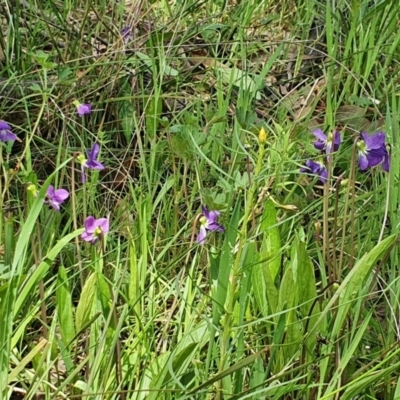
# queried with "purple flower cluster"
point(326, 144)
point(316, 168)
point(372, 151)
point(94, 228)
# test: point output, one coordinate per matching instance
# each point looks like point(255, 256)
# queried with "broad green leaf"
point(153, 113)
point(277, 340)
point(64, 307)
point(85, 308)
point(307, 292)
point(259, 287)
point(270, 254)
point(104, 296)
point(225, 265)
point(287, 299)
point(168, 70)
point(239, 78)
point(127, 113)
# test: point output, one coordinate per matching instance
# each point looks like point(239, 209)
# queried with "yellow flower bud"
point(262, 136)
point(32, 188)
point(81, 158)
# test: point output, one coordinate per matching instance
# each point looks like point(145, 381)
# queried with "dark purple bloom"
point(372, 151)
point(208, 222)
point(5, 132)
point(126, 33)
point(325, 142)
point(316, 168)
point(56, 197)
point(91, 162)
point(95, 229)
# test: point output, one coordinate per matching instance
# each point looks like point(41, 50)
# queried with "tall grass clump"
point(199, 200)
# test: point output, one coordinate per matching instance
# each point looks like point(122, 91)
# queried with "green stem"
point(325, 235)
point(351, 183)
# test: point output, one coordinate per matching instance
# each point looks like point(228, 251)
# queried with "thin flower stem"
point(2, 217)
point(346, 206)
point(335, 226)
point(196, 220)
point(114, 294)
point(325, 234)
point(75, 222)
point(352, 213)
point(37, 245)
point(386, 209)
point(234, 277)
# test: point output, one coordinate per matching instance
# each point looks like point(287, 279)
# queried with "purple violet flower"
point(5, 132)
point(325, 142)
point(126, 33)
point(91, 162)
point(316, 168)
point(95, 229)
point(55, 198)
point(82, 109)
point(208, 222)
point(372, 151)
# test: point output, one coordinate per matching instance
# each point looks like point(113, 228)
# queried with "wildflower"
point(262, 136)
point(208, 222)
point(126, 33)
point(82, 109)
point(56, 197)
point(5, 132)
point(316, 168)
point(325, 142)
point(91, 162)
point(95, 229)
point(372, 151)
